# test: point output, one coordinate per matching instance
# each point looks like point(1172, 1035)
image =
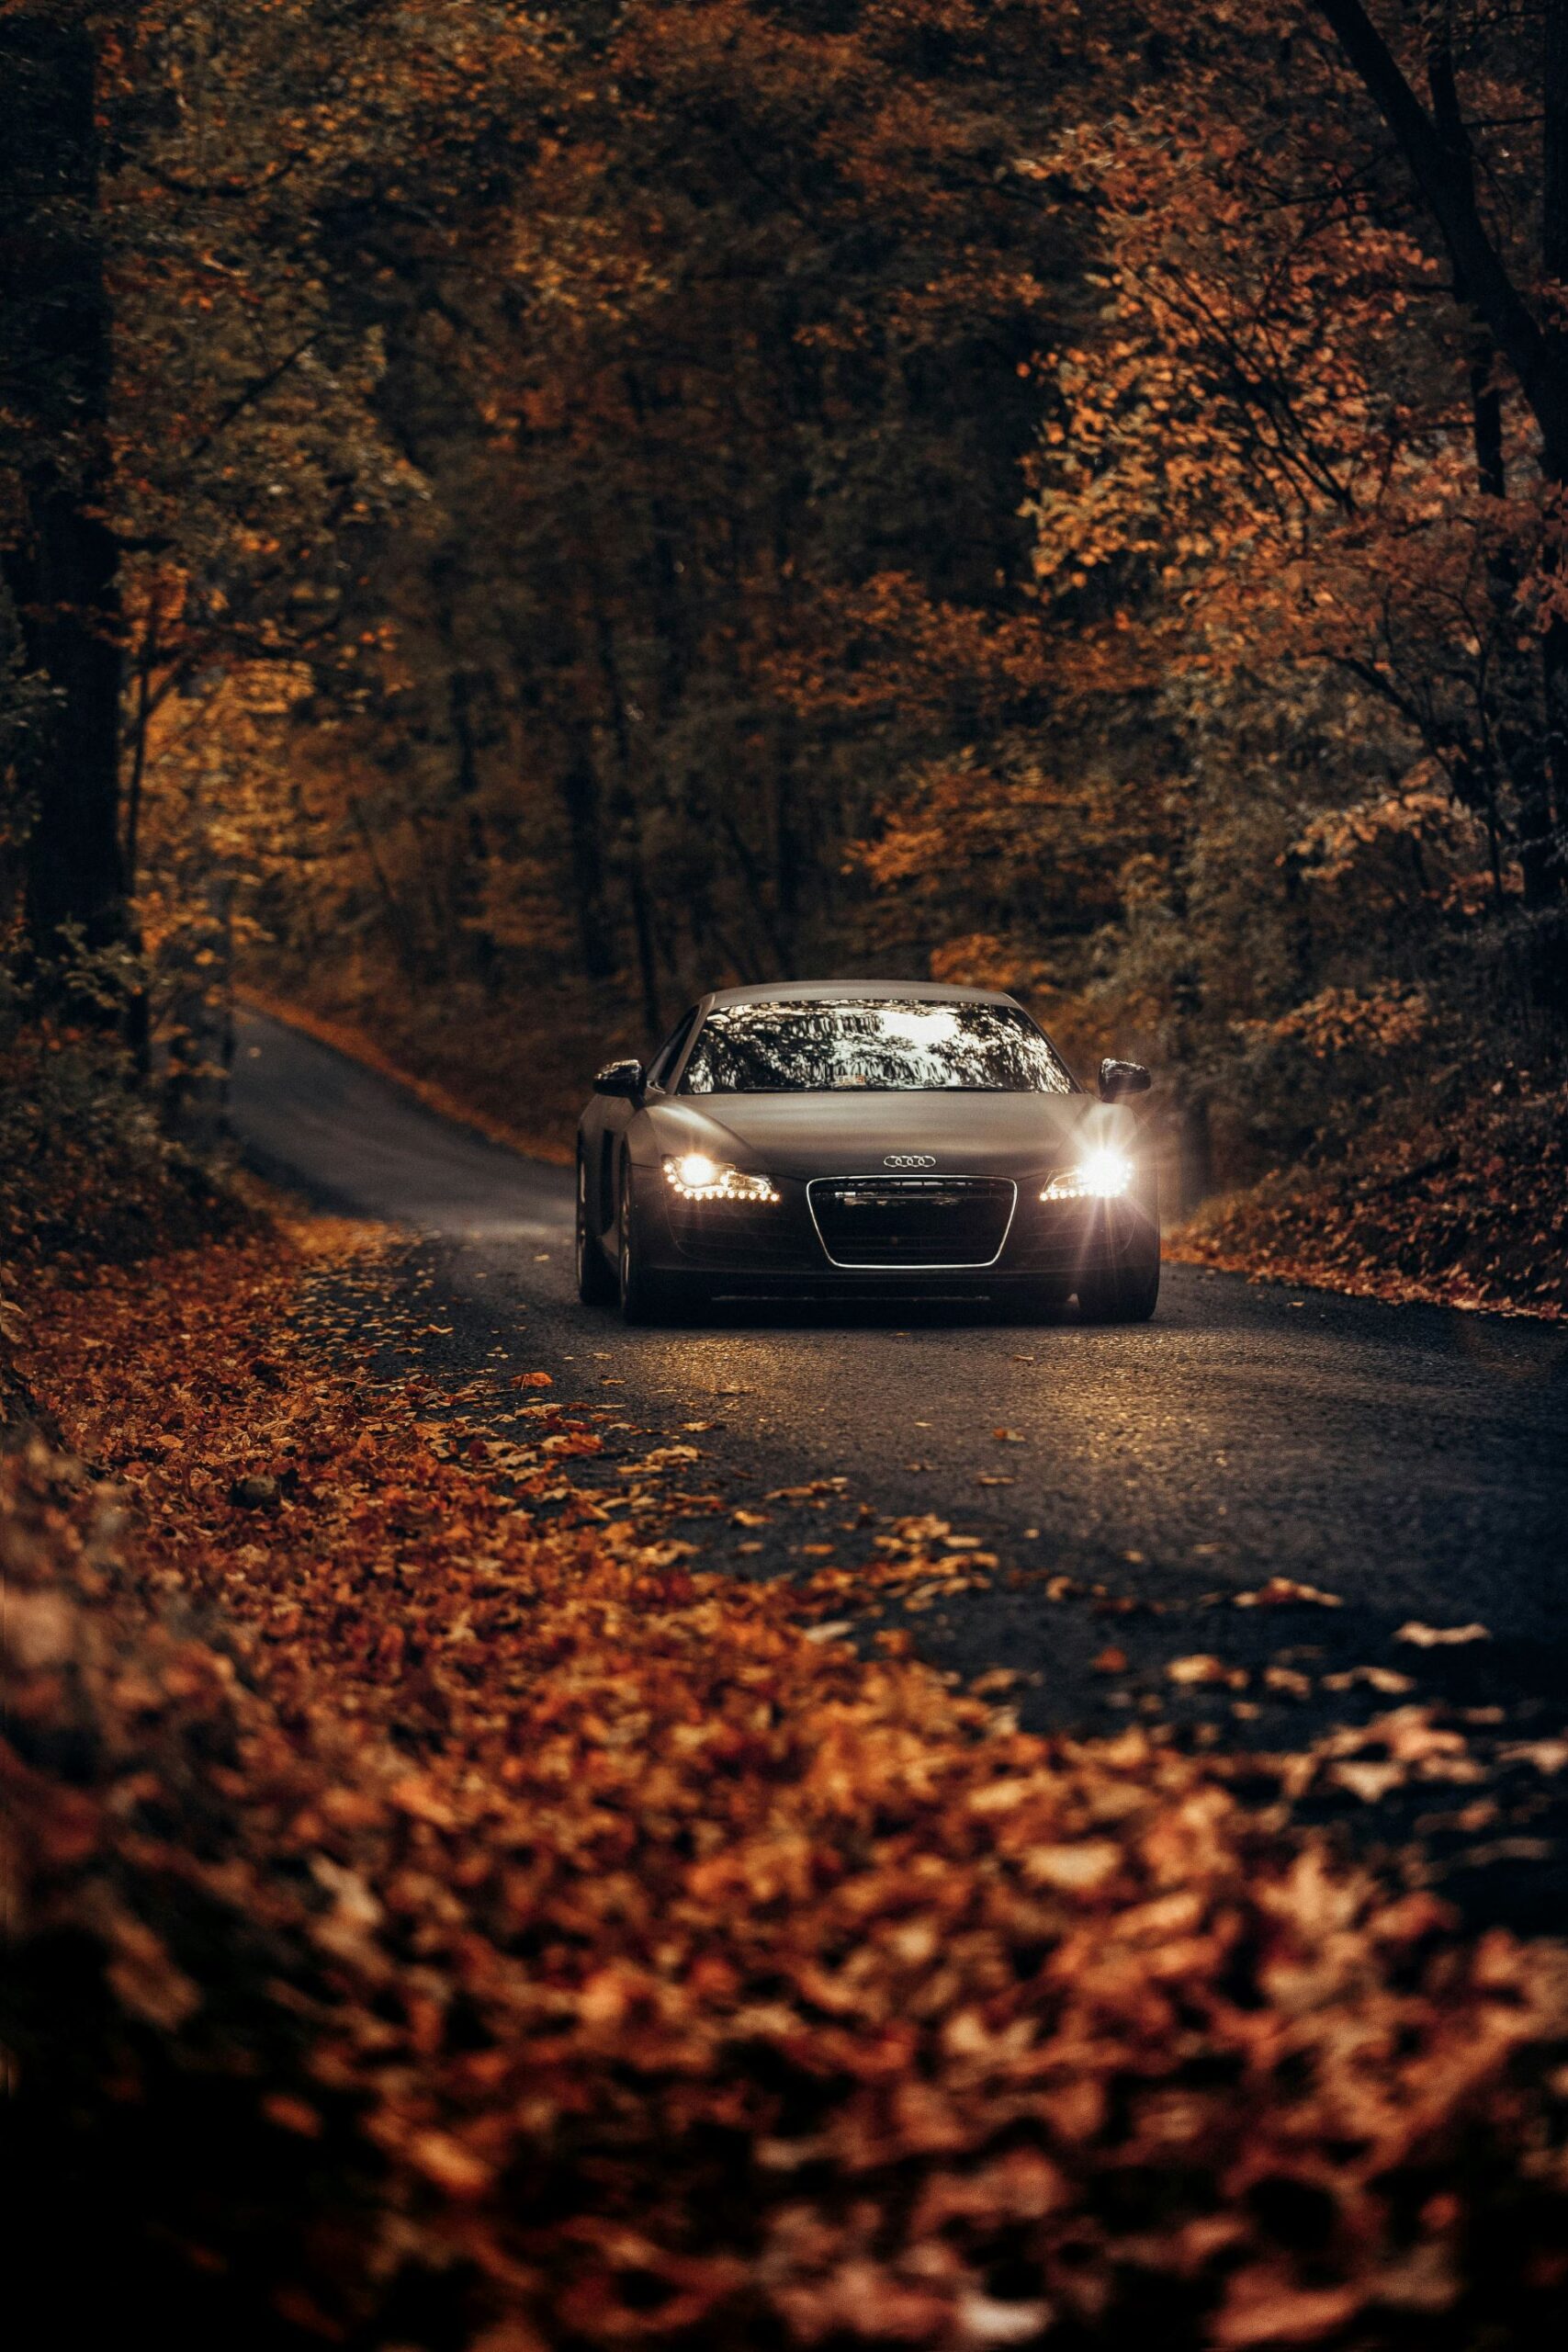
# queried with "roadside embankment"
point(1474, 1216)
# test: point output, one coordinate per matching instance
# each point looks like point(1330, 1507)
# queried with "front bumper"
point(766, 1248)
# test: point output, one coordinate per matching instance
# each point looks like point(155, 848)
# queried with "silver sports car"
point(812, 1138)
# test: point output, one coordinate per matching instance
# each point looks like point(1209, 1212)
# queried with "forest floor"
point(449, 1912)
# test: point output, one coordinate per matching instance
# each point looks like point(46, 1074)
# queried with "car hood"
point(852, 1133)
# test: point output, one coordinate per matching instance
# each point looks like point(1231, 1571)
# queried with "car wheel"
point(595, 1283)
point(645, 1297)
point(1126, 1293)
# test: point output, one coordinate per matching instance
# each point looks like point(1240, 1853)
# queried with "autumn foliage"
point(553, 508)
point(444, 1916)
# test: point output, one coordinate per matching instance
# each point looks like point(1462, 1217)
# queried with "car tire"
point(1127, 1293)
point(645, 1297)
point(595, 1281)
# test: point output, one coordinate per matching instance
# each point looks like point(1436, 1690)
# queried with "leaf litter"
point(641, 1963)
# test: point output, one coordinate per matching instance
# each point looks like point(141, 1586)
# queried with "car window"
point(670, 1052)
point(884, 1045)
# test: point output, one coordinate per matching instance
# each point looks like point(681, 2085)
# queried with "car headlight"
point(1102, 1174)
point(696, 1177)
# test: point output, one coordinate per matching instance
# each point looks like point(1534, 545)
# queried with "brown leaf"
point(1281, 1593)
point(1203, 1667)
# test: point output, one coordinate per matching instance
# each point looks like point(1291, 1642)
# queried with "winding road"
point(1412, 1461)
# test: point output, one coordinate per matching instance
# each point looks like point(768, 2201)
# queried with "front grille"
point(914, 1221)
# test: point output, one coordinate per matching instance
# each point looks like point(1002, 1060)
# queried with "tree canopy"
point(562, 506)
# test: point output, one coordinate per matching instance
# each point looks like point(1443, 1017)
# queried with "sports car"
point(851, 1138)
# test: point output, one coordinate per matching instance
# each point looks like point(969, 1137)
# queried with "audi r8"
point(813, 1138)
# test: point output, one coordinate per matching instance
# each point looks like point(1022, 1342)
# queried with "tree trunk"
point(63, 574)
point(1194, 1154)
point(1552, 859)
point(579, 787)
point(465, 684)
point(628, 818)
point(1537, 354)
point(1436, 149)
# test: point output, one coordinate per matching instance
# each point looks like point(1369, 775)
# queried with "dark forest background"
point(512, 517)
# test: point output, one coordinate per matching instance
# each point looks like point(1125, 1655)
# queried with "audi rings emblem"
point(909, 1159)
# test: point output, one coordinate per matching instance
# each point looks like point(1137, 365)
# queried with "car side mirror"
point(623, 1078)
point(1119, 1079)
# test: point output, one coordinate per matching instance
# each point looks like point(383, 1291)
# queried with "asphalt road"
point(1413, 1461)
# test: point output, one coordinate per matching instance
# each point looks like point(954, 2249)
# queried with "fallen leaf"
point(291, 2114)
point(1375, 1678)
point(1266, 2308)
point(1287, 1681)
point(980, 2320)
point(1365, 1780)
point(1072, 1868)
point(1281, 1593)
point(1203, 1667)
point(1545, 1755)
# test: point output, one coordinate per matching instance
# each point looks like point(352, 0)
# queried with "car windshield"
point(882, 1045)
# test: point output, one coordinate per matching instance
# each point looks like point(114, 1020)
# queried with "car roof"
point(850, 991)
